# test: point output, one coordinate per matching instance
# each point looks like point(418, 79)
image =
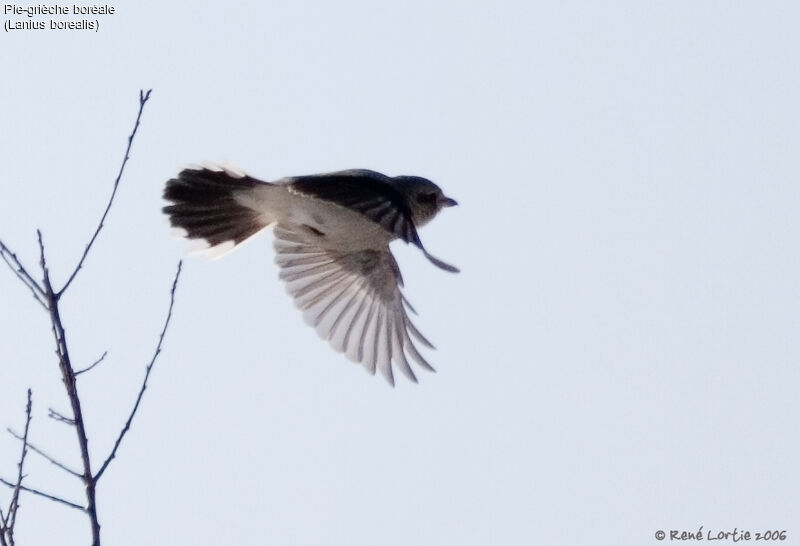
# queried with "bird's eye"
point(426, 198)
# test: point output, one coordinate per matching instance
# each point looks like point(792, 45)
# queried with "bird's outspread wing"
point(352, 299)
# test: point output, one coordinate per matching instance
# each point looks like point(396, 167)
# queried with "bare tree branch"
point(143, 98)
point(19, 270)
point(45, 495)
point(96, 362)
point(12, 511)
point(146, 376)
point(70, 383)
point(10, 519)
point(3, 527)
point(45, 455)
point(49, 298)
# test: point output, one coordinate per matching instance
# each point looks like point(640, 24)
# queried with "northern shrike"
point(332, 234)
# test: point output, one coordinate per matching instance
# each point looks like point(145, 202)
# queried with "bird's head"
point(424, 198)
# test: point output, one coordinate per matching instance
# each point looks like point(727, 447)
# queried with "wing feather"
point(353, 300)
point(399, 353)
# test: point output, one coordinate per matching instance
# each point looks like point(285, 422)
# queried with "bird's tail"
point(207, 205)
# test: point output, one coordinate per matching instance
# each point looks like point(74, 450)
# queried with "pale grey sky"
point(619, 355)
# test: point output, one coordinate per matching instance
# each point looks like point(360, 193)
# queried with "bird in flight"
point(332, 234)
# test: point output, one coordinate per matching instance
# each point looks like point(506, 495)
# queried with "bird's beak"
point(447, 202)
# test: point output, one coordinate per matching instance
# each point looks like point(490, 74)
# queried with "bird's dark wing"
point(364, 191)
point(369, 193)
point(352, 299)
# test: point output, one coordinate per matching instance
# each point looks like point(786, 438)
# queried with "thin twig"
point(12, 511)
point(56, 416)
point(22, 273)
point(143, 98)
point(45, 455)
point(3, 527)
point(3, 523)
point(146, 376)
point(10, 520)
point(96, 362)
point(45, 495)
